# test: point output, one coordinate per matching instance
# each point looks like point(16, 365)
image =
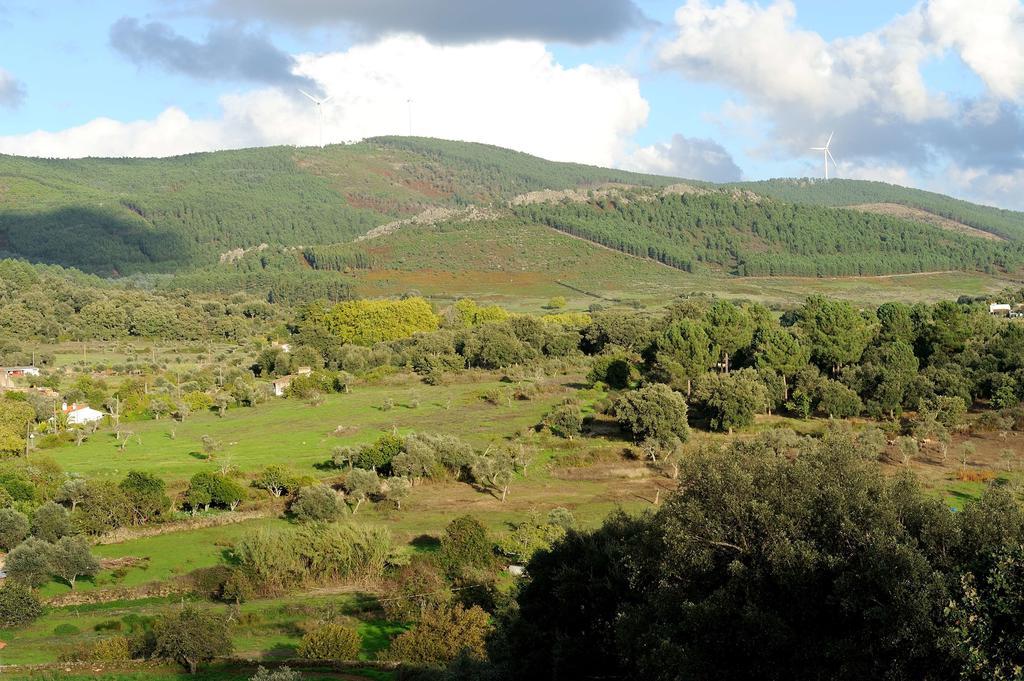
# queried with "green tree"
point(146, 494)
point(778, 350)
point(465, 546)
point(191, 636)
point(275, 479)
point(730, 329)
point(681, 354)
point(836, 332)
point(14, 527)
point(318, 503)
point(50, 522)
point(565, 420)
point(72, 558)
point(29, 562)
point(655, 411)
point(360, 485)
point(732, 400)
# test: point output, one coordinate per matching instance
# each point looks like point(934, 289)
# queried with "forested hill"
point(116, 216)
point(838, 192)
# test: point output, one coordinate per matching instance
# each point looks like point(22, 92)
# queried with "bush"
point(191, 636)
point(443, 634)
point(66, 629)
point(465, 545)
point(415, 588)
point(566, 420)
point(18, 605)
point(318, 503)
point(113, 649)
point(331, 642)
point(839, 401)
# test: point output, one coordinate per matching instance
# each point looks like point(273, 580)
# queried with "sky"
point(926, 94)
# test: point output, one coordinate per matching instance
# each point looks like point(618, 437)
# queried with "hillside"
point(116, 216)
point(837, 192)
point(205, 216)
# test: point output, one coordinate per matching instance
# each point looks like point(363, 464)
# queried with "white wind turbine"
point(319, 111)
point(826, 154)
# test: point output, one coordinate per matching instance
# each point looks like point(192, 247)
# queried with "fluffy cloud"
point(12, 90)
point(228, 53)
point(695, 159)
point(449, 21)
point(988, 35)
point(869, 88)
point(509, 93)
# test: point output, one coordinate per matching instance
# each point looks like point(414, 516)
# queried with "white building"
point(998, 308)
point(80, 414)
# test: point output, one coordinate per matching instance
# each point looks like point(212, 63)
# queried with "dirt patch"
point(431, 216)
point(918, 215)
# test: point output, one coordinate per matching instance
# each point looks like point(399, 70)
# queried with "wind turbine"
point(826, 154)
point(319, 111)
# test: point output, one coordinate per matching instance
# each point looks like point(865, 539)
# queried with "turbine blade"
point(829, 139)
point(327, 100)
point(309, 96)
point(834, 163)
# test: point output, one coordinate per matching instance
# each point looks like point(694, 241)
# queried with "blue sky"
point(923, 93)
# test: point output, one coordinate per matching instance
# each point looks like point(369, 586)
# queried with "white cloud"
point(509, 93)
point(988, 35)
point(760, 51)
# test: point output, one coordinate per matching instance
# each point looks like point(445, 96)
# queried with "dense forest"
point(1006, 223)
point(752, 236)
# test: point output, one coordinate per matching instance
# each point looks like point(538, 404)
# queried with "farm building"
point(80, 414)
point(999, 308)
point(19, 372)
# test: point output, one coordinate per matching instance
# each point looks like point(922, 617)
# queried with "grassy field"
point(302, 436)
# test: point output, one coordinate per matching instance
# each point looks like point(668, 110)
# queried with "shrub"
point(443, 634)
point(565, 420)
point(465, 544)
point(29, 562)
point(331, 642)
point(66, 629)
point(319, 503)
point(18, 605)
point(279, 674)
point(414, 588)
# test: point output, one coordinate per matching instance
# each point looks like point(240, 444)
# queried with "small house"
point(999, 308)
point(80, 414)
point(21, 372)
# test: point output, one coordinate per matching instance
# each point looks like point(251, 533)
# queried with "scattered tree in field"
point(191, 636)
point(967, 450)
point(73, 491)
point(317, 503)
point(565, 420)
point(29, 562)
point(397, 489)
point(909, 449)
point(275, 479)
point(330, 641)
point(210, 446)
point(146, 495)
point(360, 485)
point(655, 411)
point(71, 558)
point(465, 546)
point(495, 470)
